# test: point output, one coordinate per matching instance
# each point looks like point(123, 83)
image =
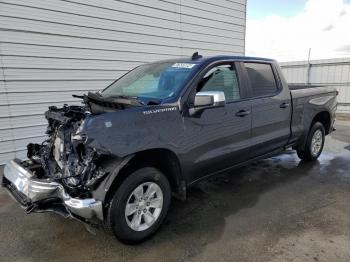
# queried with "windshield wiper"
point(77, 96)
point(152, 102)
point(132, 98)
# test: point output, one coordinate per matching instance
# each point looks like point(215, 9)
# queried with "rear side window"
point(262, 79)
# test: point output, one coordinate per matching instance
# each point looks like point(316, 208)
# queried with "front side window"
point(261, 78)
point(221, 78)
point(156, 80)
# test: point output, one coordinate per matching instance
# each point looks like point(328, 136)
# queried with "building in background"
point(50, 50)
point(327, 72)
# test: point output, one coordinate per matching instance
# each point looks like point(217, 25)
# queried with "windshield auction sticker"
point(183, 65)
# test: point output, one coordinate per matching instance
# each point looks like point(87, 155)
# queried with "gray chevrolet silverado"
point(117, 159)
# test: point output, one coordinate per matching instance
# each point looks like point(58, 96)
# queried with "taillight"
point(337, 93)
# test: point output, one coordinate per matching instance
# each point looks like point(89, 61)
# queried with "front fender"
point(112, 167)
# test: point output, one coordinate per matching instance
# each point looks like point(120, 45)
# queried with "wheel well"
point(325, 119)
point(163, 159)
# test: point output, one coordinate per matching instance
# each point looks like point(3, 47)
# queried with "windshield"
point(154, 81)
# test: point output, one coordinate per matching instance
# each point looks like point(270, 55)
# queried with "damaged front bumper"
point(45, 195)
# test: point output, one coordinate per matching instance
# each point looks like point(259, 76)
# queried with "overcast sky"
point(286, 29)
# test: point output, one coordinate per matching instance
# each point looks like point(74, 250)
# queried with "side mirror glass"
point(203, 100)
point(206, 100)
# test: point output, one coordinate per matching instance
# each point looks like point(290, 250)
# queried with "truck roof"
point(245, 58)
point(210, 59)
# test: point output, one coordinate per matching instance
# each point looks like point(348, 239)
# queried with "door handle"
point(242, 113)
point(284, 105)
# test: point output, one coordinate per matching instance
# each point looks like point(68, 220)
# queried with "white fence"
point(329, 72)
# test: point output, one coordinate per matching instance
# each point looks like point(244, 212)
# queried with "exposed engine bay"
point(64, 156)
point(68, 172)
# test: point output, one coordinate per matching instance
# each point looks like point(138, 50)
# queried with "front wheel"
point(139, 206)
point(314, 143)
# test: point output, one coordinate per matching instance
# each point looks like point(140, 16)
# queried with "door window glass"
point(221, 78)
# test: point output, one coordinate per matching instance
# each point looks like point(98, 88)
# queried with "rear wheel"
point(139, 206)
point(314, 143)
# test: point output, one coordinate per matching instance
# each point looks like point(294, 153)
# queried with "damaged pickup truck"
point(116, 160)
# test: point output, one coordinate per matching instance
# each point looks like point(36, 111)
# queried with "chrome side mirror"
point(207, 100)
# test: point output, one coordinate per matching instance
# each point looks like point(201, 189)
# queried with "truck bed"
point(306, 102)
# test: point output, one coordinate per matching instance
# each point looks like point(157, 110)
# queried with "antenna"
point(196, 56)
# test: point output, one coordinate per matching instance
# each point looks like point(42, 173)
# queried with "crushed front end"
point(60, 173)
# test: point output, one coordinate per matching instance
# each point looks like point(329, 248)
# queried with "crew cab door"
point(271, 108)
point(219, 137)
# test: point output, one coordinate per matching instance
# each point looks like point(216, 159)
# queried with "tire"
point(124, 227)
point(310, 153)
